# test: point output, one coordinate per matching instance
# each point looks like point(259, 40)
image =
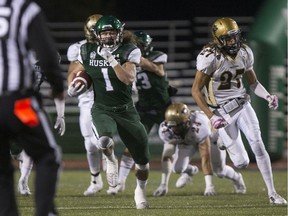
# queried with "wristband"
point(113, 62)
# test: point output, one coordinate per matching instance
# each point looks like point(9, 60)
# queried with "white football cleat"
point(162, 190)
point(93, 189)
point(239, 185)
point(120, 187)
point(112, 191)
point(276, 199)
point(140, 199)
point(210, 191)
point(186, 177)
point(23, 188)
point(112, 173)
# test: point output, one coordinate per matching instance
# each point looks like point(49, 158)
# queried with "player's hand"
point(167, 132)
point(75, 89)
point(106, 54)
point(272, 101)
point(210, 191)
point(218, 122)
point(60, 125)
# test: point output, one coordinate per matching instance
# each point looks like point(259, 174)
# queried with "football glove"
point(60, 122)
point(76, 89)
point(105, 53)
point(272, 101)
point(218, 122)
point(210, 191)
point(60, 125)
point(161, 190)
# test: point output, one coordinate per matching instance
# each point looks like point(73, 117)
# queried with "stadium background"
point(179, 29)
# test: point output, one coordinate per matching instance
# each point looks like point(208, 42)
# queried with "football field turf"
point(185, 201)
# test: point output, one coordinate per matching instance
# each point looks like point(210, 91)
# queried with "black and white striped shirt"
point(22, 31)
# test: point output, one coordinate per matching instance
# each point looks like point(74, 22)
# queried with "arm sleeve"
point(41, 41)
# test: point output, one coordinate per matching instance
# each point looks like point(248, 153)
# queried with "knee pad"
point(142, 167)
point(219, 173)
point(242, 165)
point(90, 146)
point(105, 142)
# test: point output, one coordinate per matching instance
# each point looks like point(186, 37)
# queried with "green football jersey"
point(152, 89)
point(108, 89)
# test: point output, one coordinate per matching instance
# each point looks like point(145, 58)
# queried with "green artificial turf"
point(185, 201)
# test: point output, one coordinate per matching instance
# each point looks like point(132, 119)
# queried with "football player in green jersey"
point(111, 64)
point(153, 96)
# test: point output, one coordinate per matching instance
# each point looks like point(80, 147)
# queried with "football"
point(83, 78)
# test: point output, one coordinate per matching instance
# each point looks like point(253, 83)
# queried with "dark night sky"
point(78, 10)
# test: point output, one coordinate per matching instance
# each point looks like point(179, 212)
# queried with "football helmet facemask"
point(89, 23)
point(223, 30)
point(177, 117)
point(108, 23)
point(144, 42)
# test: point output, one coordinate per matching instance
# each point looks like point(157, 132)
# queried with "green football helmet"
point(106, 23)
point(144, 42)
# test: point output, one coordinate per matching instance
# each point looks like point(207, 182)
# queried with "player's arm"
point(126, 73)
point(73, 68)
point(47, 54)
point(157, 68)
point(260, 90)
point(73, 53)
point(204, 151)
point(200, 81)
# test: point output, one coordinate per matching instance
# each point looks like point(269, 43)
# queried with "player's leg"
point(232, 140)
point(166, 164)
point(92, 151)
point(218, 161)
point(40, 144)
point(181, 164)
point(8, 204)
point(25, 170)
point(249, 124)
point(134, 136)
point(105, 123)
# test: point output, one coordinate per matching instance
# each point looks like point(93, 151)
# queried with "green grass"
point(186, 201)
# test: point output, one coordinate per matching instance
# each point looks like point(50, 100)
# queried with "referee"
point(23, 30)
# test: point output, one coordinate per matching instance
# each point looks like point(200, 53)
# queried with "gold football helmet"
point(176, 114)
point(89, 23)
point(223, 30)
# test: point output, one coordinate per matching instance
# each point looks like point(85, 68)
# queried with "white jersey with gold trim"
point(226, 73)
point(198, 131)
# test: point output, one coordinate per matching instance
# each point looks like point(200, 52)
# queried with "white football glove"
point(162, 190)
point(60, 125)
point(60, 122)
point(272, 101)
point(75, 90)
point(105, 53)
point(210, 191)
point(218, 122)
